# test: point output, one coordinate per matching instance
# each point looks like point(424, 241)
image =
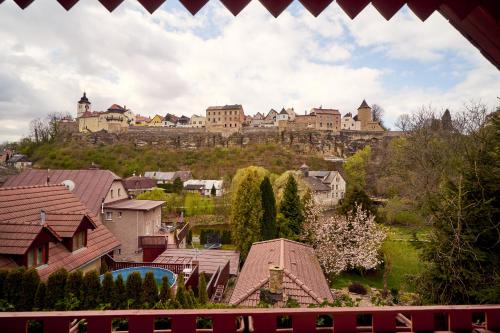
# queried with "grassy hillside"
point(124, 158)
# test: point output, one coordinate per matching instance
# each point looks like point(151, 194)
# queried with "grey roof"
point(319, 174)
point(18, 158)
point(316, 185)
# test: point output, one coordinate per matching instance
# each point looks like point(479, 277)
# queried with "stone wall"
point(341, 143)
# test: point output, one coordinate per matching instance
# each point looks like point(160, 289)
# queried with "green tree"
point(29, 285)
point(120, 294)
point(246, 213)
point(291, 207)
point(56, 287)
point(357, 196)
point(108, 289)
point(181, 295)
point(40, 296)
point(12, 291)
point(74, 285)
point(191, 299)
point(134, 290)
point(355, 169)
point(150, 290)
point(202, 289)
point(177, 186)
point(91, 288)
point(464, 249)
point(165, 292)
point(268, 223)
point(213, 191)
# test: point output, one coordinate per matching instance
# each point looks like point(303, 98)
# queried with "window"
point(111, 194)
point(120, 215)
point(109, 216)
point(37, 256)
point(119, 192)
point(79, 240)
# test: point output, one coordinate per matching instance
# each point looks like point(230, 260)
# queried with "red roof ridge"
point(284, 239)
point(28, 187)
point(251, 291)
point(302, 285)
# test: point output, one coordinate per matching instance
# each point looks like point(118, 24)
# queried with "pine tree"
point(55, 293)
point(202, 289)
point(355, 197)
point(39, 302)
point(29, 286)
point(150, 290)
point(213, 191)
point(268, 226)
point(74, 286)
point(246, 214)
point(91, 288)
point(178, 186)
point(181, 293)
point(11, 287)
point(120, 294)
point(134, 290)
point(165, 292)
point(191, 299)
point(108, 289)
point(290, 206)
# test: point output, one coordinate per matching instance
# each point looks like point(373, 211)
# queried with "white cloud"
point(173, 62)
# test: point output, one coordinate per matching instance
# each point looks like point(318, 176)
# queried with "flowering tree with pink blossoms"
point(348, 242)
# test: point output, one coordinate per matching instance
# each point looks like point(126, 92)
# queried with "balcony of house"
point(460, 318)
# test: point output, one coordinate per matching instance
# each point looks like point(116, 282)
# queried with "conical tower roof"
point(84, 98)
point(364, 105)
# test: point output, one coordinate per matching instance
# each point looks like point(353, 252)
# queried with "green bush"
point(40, 296)
point(56, 290)
point(12, 291)
point(165, 292)
point(150, 290)
point(91, 288)
point(29, 286)
point(134, 290)
point(120, 294)
point(108, 289)
point(74, 286)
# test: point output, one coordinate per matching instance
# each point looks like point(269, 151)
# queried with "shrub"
point(226, 237)
point(357, 288)
point(134, 290)
point(56, 287)
point(3, 277)
point(41, 291)
point(120, 294)
point(74, 285)
point(202, 289)
point(165, 292)
point(90, 290)
point(29, 286)
point(181, 295)
point(150, 290)
point(108, 289)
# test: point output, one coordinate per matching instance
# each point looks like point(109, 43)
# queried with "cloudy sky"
point(173, 62)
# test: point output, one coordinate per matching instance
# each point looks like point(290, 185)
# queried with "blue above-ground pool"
point(159, 273)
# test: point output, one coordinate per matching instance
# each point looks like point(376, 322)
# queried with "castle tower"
point(364, 115)
point(83, 106)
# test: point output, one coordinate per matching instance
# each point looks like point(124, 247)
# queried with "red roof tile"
point(303, 279)
point(91, 186)
point(21, 222)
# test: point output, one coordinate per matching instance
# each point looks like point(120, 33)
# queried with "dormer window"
point(37, 256)
point(118, 192)
point(80, 240)
point(111, 194)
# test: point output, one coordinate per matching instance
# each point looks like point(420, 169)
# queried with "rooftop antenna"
point(48, 176)
point(42, 217)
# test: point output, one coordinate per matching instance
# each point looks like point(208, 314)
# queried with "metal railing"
point(344, 320)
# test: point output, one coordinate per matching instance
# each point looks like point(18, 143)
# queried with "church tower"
point(83, 106)
point(365, 115)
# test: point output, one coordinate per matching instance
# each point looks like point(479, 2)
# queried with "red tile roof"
point(91, 186)
point(303, 279)
point(20, 223)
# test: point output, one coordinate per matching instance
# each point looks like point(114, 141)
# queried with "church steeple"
point(83, 105)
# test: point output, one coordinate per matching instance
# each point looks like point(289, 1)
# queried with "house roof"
point(226, 107)
point(303, 279)
point(127, 204)
point(20, 224)
point(203, 183)
point(116, 108)
point(209, 260)
point(325, 111)
point(316, 184)
point(18, 158)
point(139, 183)
point(84, 99)
point(91, 186)
point(364, 105)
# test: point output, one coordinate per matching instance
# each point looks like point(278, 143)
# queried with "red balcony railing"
point(380, 319)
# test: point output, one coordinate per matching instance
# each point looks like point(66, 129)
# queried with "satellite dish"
point(70, 185)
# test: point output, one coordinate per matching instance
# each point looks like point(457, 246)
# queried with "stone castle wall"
point(328, 143)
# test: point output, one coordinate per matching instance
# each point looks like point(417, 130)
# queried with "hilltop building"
point(326, 119)
point(115, 119)
point(225, 119)
point(197, 121)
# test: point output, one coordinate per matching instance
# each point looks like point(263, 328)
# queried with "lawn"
point(402, 255)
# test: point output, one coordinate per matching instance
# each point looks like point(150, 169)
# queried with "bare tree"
point(403, 122)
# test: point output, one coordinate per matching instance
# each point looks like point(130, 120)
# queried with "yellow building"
point(115, 119)
point(225, 119)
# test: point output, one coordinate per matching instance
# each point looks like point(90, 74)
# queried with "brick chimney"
point(276, 279)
